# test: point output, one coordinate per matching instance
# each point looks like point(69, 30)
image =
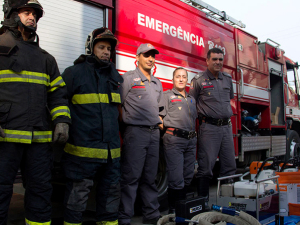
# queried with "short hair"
point(214, 50)
point(180, 68)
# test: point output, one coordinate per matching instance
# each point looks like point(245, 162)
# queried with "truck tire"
point(292, 144)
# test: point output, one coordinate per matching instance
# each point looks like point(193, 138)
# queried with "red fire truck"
point(266, 114)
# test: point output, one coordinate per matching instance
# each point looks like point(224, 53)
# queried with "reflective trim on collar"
point(91, 152)
point(24, 76)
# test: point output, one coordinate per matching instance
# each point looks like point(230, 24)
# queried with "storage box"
point(289, 183)
point(190, 207)
point(288, 194)
point(294, 209)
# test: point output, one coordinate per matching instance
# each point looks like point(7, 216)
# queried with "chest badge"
point(139, 97)
point(179, 97)
point(137, 79)
point(142, 83)
point(208, 93)
point(179, 108)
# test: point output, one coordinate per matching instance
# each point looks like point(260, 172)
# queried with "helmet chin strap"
point(26, 28)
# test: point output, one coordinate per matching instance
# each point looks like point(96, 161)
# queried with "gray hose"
point(210, 218)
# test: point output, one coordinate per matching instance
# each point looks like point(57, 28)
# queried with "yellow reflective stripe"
point(115, 153)
point(115, 97)
point(42, 136)
point(90, 98)
point(66, 223)
point(58, 82)
point(28, 222)
point(60, 111)
point(87, 152)
point(24, 76)
point(107, 223)
point(17, 136)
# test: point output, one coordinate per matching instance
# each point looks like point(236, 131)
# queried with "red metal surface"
point(108, 3)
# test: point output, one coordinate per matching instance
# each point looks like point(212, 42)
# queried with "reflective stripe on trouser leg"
point(108, 222)
point(28, 222)
point(66, 223)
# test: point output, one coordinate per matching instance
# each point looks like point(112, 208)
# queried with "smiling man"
point(179, 120)
point(141, 96)
point(213, 90)
point(92, 152)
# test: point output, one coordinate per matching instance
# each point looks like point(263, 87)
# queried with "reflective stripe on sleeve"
point(24, 76)
point(90, 98)
point(42, 136)
point(17, 136)
point(115, 97)
point(28, 222)
point(58, 82)
point(60, 111)
point(91, 152)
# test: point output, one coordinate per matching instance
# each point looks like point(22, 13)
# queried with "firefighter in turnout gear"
point(93, 149)
point(32, 98)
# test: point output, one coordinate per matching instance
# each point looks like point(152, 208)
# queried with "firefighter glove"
point(61, 133)
point(2, 132)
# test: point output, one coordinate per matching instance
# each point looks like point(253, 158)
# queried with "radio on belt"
point(190, 207)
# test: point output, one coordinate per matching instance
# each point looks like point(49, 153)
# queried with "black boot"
point(203, 190)
point(175, 195)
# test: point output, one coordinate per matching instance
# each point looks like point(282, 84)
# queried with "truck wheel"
point(162, 182)
point(292, 144)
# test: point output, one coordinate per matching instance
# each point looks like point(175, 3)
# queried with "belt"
point(181, 133)
point(217, 122)
point(145, 126)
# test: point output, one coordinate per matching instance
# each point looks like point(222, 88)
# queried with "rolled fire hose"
point(209, 218)
point(214, 218)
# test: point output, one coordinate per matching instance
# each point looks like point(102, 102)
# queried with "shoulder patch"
point(226, 74)
point(200, 74)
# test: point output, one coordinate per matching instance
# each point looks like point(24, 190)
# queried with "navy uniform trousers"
point(80, 179)
point(180, 155)
point(139, 163)
point(215, 141)
point(35, 161)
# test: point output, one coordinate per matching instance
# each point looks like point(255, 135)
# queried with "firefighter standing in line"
point(213, 90)
point(141, 96)
point(179, 120)
point(32, 93)
point(93, 149)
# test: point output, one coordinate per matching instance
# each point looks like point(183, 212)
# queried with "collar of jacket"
point(212, 77)
point(7, 43)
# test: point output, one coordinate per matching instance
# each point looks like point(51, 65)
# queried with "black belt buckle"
point(220, 122)
point(192, 134)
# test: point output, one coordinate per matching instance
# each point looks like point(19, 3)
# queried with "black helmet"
point(11, 7)
point(100, 34)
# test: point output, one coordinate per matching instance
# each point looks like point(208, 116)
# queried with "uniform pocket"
point(4, 111)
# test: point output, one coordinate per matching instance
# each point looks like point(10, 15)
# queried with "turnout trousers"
point(81, 175)
point(215, 141)
point(139, 163)
point(180, 155)
point(35, 161)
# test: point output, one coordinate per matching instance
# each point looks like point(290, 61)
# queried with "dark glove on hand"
point(2, 132)
point(61, 133)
